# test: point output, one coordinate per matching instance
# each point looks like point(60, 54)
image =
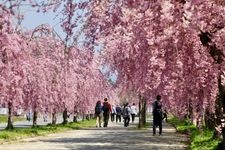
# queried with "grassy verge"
point(19, 133)
point(4, 118)
point(199, 139)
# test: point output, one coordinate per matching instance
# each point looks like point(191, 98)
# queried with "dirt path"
point(115, 137)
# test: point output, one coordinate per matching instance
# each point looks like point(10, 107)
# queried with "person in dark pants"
point(165, 114)
point(106, 112)
point(157, 115)
point(113, 113)
point(118, 113)
point(126, 115)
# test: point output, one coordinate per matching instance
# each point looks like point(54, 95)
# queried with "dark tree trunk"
point(221, 103)
point(35, 118)
point(223, 139)
point(209, 120)
point(218, 56)
point(139, 114)
point(189, 110)
point(87, 117)
point(75, 117)
point(142, 112)
point(10, 124)
point(65, 116)
point(54, 118)
point(91, 116)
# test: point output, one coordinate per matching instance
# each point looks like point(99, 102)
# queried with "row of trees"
point(174, 48)
point(39, 72)
point(170, 47)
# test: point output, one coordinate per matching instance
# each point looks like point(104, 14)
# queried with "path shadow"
point(120, 138)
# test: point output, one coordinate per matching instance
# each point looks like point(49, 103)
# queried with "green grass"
point(182, 126)
point(203, 140)
point(19, 133)
point(199, 139)
point(4, 118)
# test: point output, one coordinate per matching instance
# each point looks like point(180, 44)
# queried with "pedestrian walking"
point(157, 115)
point(113, 113)
point(126, 115)
point(98, 113)
point(106, 111)
point(165, 115)
point(133, 109)
point(118, 113)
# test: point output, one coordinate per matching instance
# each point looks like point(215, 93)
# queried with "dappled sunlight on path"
point(114, 137)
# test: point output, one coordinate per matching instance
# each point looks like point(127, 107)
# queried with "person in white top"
point(133, 111)
point(126, 114)
point(113, 113)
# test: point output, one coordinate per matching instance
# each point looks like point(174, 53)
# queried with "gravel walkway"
point(114, 137)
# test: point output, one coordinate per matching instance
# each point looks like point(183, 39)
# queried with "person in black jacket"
point(157, 115)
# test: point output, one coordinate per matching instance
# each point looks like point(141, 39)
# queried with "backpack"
point(105, 107)
point(118, 111)
point(98, 108)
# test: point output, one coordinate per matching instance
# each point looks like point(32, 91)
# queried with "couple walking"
point(102, 111)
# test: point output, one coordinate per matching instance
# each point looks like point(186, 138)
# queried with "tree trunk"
point(209, 120)
point(87, 116)
point(54, 118)
point(222, 106)
point(197, 119)
point(65, 116)
point(218, 59)
point(10, 124)
point(35, 118)
point(83, 117)
point(142, 112)
point(75, 117)
point(189, 110)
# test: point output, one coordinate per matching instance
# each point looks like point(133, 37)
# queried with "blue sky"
point(33, 19)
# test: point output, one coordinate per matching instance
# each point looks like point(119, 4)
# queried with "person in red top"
point(106, 112)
